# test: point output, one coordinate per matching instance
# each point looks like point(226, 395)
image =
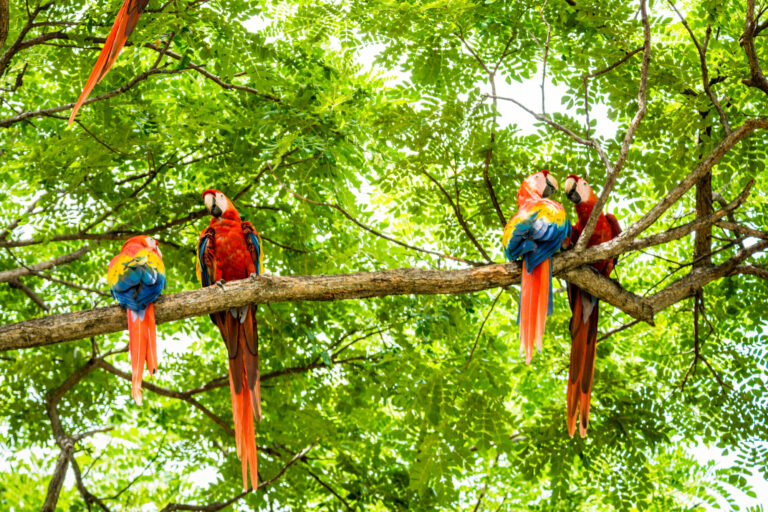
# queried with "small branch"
point(642, 107)
point(330, 489)
point(457, 211)
point(29, 292)
point(702, 51)
point(11, 275)
point(89, 433)
point(757, 79)
point(704, 166)
point(618, 329)
point(752, 270)
point(585, 79)
point(369, 229)
point(482, 325)
point(213, 507)
point(149, 386)
point(544, 59)
point(283, 246)
point(579, 139)
point(742, 230)
point(13, 225)
point(22, 116)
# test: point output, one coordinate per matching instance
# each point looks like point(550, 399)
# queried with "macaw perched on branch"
point(125, 22)
point(585, 307)
point(136, 278)
point(534, 234)
point(228, 250)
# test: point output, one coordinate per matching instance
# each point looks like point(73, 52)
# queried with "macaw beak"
point(551, 186)
point(570, 191)
point(211, 206)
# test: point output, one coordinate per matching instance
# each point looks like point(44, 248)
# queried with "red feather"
point(228, 256)
point(125, 22)
point(584, 320)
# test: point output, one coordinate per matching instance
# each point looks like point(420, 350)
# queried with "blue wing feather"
point(138, 287)
point(205, 278)
point(536, 239)
point(254, 240)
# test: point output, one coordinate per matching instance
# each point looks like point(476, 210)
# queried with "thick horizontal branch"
point(404, 281)
point(269, 288)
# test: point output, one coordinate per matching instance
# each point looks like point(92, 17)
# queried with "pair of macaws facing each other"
point(534, 234)
point(228, 250)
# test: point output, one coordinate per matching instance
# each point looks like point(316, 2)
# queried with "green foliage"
point(403, 418)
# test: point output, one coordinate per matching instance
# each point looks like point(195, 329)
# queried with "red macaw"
point(228, 250)
point(136, 278)
point(584, 307)
point(534, 234)
point(125, 22)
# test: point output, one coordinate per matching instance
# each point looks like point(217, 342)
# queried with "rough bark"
point(269, 288)
point(5, 17)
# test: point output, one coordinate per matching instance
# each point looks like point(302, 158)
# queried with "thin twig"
point(482, 325)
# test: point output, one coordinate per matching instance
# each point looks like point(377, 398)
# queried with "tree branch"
point(702, 51)
point(10, 275)
point(370, 229)
point(757, 80)
point(29, 292)
point(457, 211)
point(642, 107)
point(213, 507)
point(22, 116)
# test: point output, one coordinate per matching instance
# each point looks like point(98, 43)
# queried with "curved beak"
point(211, 206)
point(570, 191)
point(551, 186)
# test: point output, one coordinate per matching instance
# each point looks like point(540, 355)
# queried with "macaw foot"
point(220, 283)
point(253, 275)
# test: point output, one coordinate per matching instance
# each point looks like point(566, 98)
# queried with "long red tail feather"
point(124, 24)
point(534, 299)
point(582, 364)
point(242, 342)
point(142, 345)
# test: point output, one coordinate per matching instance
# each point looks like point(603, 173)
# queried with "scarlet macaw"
point(136, 278)
point(584, 307)
point(228, 250)
point(125, 22)
point(534, 234)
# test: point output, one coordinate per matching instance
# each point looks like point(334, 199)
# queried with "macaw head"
point(219, 205)
point(142, 242)
point(578, 190)
point(542, 183)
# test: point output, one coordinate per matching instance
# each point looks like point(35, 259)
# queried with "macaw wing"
point(549, 237)
point(136, 281)
point(536, 234)
point(206, 259)
point(253, 242)
point(516, 240)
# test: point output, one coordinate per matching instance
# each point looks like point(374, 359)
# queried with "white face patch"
point(538, 182)
point(152, 243)
point(221, 202)
point(583, 188)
